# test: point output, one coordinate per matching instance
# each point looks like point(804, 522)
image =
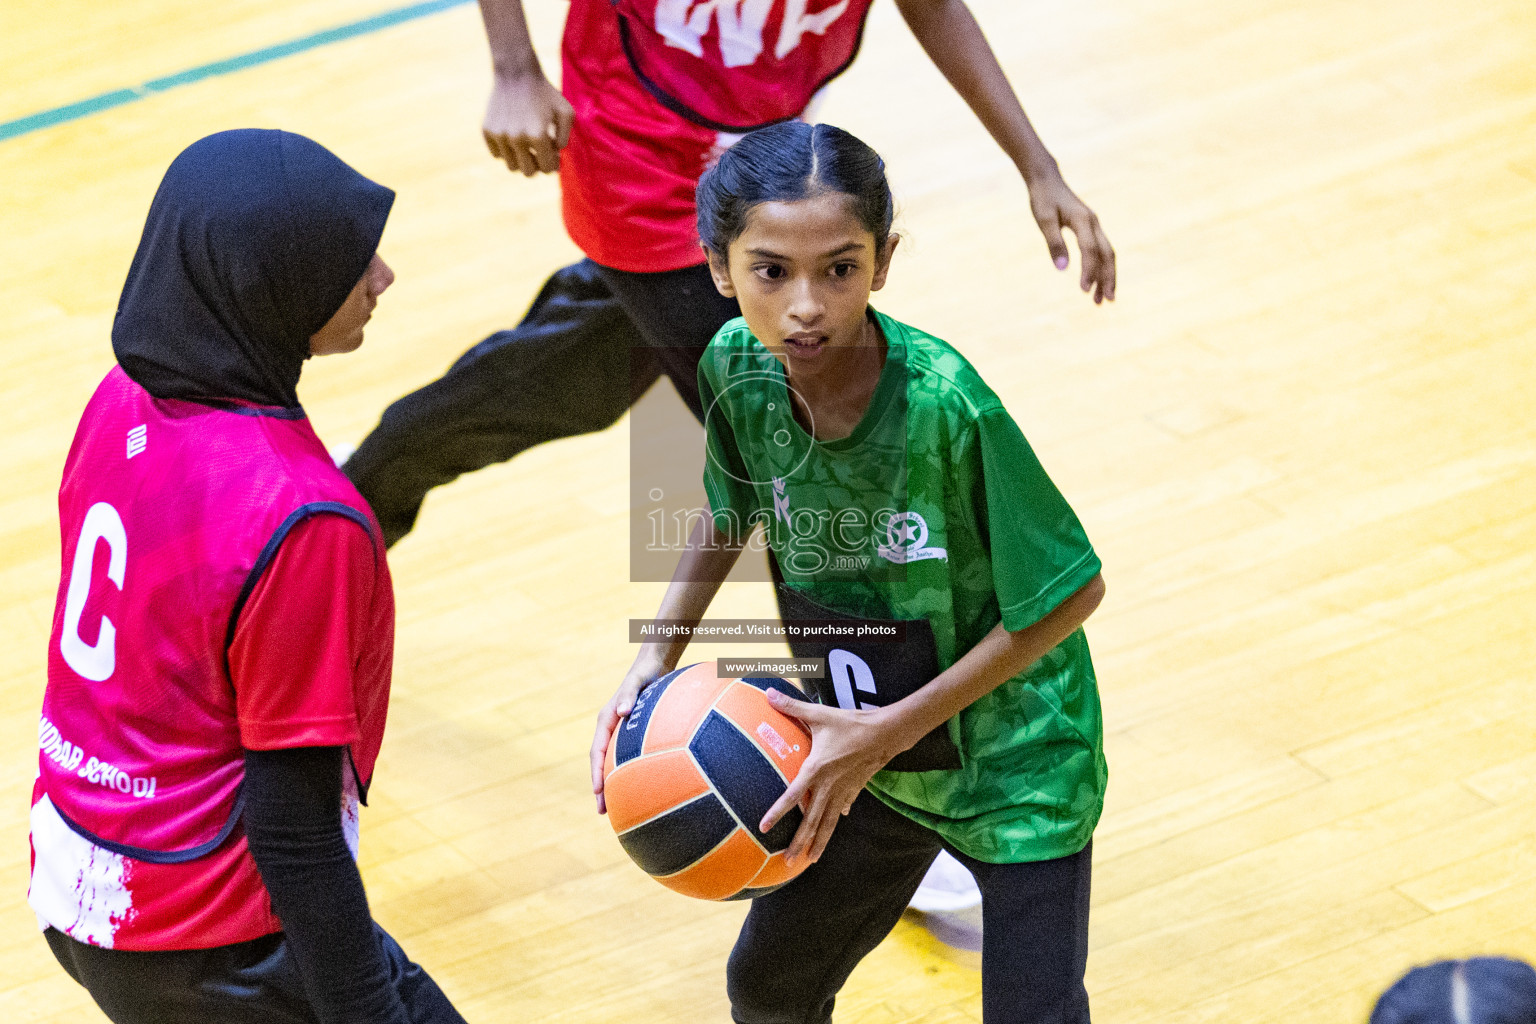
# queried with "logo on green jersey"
point(906, 540)
point(780, 500)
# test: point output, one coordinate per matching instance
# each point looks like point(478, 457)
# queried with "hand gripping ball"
point(690, 774)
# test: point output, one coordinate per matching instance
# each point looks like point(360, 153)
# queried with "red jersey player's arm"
point(954, 42)
point(527, 121)
point(302, 633)
point(293, 828)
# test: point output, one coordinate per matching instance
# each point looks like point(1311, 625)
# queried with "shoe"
point(340, 453)
point(946, 888)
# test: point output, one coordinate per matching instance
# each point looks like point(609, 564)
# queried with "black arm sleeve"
point(293, 826)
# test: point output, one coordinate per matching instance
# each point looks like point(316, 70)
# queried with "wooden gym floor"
point(1302, 439)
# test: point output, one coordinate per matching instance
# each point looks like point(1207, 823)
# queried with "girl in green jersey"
point(892, 485)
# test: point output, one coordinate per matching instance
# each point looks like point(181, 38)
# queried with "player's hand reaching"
point(527, 123)
point(1055, 207)
point(647, 667)
point(847, 749)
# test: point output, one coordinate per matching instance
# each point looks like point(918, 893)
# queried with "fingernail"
point(1061, 263)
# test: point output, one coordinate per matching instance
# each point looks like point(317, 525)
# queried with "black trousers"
point(592, 343)
point(800, 943)
point(252, 982)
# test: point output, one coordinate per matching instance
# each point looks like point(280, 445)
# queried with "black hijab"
point(254, 239)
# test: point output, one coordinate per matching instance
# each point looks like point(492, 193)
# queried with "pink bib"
point(169, 512)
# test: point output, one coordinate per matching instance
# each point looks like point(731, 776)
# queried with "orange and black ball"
point(690, 774)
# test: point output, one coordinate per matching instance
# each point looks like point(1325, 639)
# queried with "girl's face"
point(802, 272)
point(343, 332)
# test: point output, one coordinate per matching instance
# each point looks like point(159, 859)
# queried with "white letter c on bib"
point(850, 672)
point(94, 663)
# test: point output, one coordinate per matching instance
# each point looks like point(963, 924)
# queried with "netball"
point(692, 771)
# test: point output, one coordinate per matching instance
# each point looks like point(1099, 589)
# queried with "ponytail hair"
point(785, 163)
point(1482, 990)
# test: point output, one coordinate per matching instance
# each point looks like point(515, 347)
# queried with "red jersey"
point(222, 589)
point(660, 88)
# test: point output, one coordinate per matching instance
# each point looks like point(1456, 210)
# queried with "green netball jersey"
point(934, 507)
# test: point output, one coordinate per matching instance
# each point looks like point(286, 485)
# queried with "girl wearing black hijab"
point(1478, 990)
point(220, 657)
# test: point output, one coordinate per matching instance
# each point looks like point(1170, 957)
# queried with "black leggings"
point(800, 943)
point(252, 982)
point(592, 343)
